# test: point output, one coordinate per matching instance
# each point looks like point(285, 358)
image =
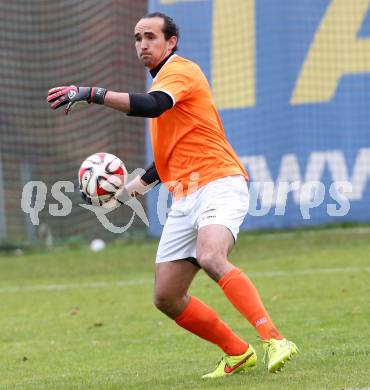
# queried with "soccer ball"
point(97, 245)
point(100, 176)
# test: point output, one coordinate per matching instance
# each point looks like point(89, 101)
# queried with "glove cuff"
point(98, 95)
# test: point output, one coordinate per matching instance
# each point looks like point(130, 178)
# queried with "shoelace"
point(270, 348)
point(221, 359)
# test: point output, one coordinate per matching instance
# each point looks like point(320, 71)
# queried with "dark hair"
point(170, 28)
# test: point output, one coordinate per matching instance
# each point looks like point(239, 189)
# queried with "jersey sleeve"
point(176, 80)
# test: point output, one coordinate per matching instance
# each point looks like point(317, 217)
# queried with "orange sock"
point(244, 296)
point(200, 319)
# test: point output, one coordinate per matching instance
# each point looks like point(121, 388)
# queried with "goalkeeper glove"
point(60, 96)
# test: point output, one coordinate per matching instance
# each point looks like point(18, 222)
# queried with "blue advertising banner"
point(291, 80)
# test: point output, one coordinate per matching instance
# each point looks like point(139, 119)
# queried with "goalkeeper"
point(210, 196)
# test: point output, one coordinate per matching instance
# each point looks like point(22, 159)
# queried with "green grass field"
point(72, 319)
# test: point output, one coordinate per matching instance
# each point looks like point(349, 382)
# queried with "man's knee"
point(162, 302)
point(166, 303)
point(170, 305)
point(214, 264)
point(207, 260)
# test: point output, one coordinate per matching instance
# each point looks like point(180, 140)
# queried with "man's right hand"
point(61, 96)
point(137, 186)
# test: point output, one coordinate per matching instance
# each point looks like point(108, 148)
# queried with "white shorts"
point(223, 202)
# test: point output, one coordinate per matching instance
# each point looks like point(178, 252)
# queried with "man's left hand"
point(70, 95)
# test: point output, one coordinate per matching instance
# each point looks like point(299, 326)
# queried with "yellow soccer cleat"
point(277, 352)
point(229, 365)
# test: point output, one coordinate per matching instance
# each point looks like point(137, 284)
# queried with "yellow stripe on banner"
point(335, 51)
point(233, 53)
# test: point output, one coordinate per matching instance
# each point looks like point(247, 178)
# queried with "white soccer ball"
point(100, 176)
point(97, 245)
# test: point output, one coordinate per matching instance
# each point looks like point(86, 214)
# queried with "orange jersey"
point(189, 144)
